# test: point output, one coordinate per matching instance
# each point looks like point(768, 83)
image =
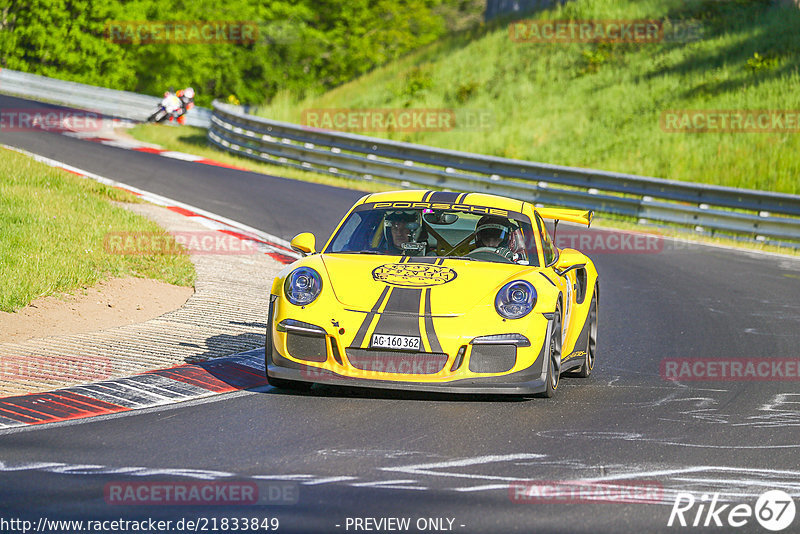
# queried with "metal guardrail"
point(765, 216)
point(110, 102)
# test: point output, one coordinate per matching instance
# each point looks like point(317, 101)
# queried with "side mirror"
point(304, 243)
point(568, 260)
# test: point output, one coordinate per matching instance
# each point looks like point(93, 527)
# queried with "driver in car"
point(402, 230)
point(496, 232)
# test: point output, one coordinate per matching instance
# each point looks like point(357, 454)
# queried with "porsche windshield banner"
point(466, 208)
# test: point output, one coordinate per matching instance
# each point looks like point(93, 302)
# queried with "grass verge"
point(52, 230)
point(600, 105)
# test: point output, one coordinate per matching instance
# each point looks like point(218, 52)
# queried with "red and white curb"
point(150, 149)
point(273, 246)
point(160, 387)
point(153, 388)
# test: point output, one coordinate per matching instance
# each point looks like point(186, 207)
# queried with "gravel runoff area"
point(226, 315)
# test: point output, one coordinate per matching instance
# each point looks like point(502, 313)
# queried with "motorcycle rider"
point(171, 104)
point(186, 97)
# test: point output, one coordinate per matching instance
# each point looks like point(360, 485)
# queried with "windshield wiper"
point(457, 258)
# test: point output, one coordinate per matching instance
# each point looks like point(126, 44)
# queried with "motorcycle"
point(169, 108)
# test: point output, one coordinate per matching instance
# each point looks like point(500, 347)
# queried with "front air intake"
point(306, 347)
point(492, 358)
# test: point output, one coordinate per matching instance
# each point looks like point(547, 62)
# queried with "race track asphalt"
point(355, 454)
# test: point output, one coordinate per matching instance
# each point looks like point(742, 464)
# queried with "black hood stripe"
point(445, 197)
point(404, 300)
point(403, 313)
point(433, 340)
point(421, 259)
point(362, 330)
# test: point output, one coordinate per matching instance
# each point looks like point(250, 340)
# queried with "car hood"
point(360, 281)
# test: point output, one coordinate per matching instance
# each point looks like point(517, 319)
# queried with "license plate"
point(383, 341)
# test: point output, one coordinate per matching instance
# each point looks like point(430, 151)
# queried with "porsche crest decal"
point(413, 274)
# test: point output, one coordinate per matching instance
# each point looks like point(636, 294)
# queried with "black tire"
point(591, 340)
point(158, 116)
point(290, 385)
point(553, 362)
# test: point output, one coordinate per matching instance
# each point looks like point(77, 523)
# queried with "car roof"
point(447, 197)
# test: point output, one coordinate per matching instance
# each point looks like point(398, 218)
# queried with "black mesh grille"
point(310, 348)
point(404, 363)
point(492, 358)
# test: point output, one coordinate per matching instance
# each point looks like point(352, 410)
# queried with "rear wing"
point(558, 214)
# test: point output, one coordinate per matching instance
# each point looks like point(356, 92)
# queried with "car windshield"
point(500, 236)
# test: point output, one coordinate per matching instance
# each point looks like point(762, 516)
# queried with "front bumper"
point(317, 355)
point(527, 381)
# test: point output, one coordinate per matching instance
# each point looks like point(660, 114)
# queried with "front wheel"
point(553, 357)
point(157, 116)
point(591, 343)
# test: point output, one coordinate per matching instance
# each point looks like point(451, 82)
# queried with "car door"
point(566, 283)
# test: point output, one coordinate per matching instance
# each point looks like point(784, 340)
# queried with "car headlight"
point(302, 286)
point(515, 299)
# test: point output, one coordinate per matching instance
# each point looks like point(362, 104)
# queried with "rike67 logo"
point(774, 510)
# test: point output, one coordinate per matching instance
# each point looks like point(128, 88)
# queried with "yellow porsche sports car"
point(435, 291)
